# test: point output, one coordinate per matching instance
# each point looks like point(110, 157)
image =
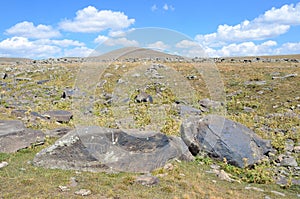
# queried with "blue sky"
point(51, 28)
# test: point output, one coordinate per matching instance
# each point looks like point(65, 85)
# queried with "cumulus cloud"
point(100, 39)
point(186, 44)
point(78, 52)
point(120, 42)
point(61, 43)
point(91, 20)
point(167, 7)
point(154, 7)
point(29, 30)
point(272, 23)
point(159, 45)
point(22, 47)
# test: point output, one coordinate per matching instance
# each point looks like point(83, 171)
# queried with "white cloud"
point(186, 44)
point(159, 45)
point(22, 47)
point(61, 43)
point(154, 7)
point(29, 30)
point(121, 41)
point(78, 52)
point(287, 14)
point(167, 7)
point(100, 39)
point(272, 23)
point(91, 20)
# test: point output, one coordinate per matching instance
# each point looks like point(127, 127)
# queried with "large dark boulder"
point(223, 138)
point(102, 149)
point(14, 136)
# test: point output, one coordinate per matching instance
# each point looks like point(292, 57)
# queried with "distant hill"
point(132, 52)
point(13, 60)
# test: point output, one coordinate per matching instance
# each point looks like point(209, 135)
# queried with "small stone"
point(63, 188)
point(215, 166)
point(297, 149)
point(73, 182)
point(267, 197)
point(254, 188)
point(289, 145)
point(169, 167)
point(278, 193)
point(3, 164)
point(289, 161)
point(143, 97)
point(83, 192)
point(147, 180)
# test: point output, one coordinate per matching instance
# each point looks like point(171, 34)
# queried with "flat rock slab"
point(14, 136)
point(100, 149)
point(59, 115)
point(222, 138)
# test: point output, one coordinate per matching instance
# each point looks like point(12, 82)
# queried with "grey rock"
point(208, 105)
point(83, 192)
point(43, 81)
point(19, 113)
point(143, 97)
point(286, 76)
point(278, 193)
point(59, 115)
point(288, 161)
point(57, 133)
point(147, 180)
point(222, 138)
point(23, 79)
point(255, 83)
point(3, 164)
point(99, 149)
point(254, 188)
point(187, 111)
point(14, 136)
point(289, 145)
point(3, 75)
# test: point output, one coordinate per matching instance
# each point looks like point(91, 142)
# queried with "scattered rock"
point(43, 81)
point(14, 136)
point(289, 145)
point(224, 139)
point(208, 105)
point(3, 75)
point(83, 192)
point(57, 133)
point(255, 83)
point(103, 149)
point(23, 79)
point(254, 188)
point(278, 193)
point(25, 113)
point(143, 97)
point(73, 182)
point(297, 149)
point(63, 188)
point(288, 161)
point(59, 115)
point(224, 176)
point(169, 167)
point(191, 77)
point(184, 111)
point(3, 164)
point(286, 76)
point(147, 180)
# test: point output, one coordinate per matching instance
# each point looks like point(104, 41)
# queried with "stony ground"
point(262, 94)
